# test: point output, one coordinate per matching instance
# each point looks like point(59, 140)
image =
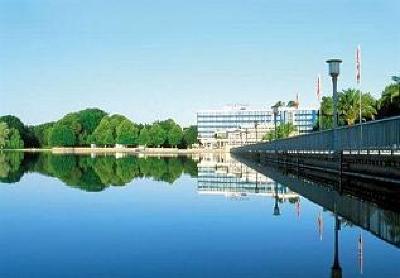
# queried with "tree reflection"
point(11, 169)
point(94, 174)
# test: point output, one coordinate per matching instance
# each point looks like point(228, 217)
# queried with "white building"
point(250, 122)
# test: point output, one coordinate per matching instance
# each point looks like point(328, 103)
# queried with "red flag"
point(358, 64)
point(318, 87)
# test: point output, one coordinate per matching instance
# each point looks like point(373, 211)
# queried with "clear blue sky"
point(158, 59)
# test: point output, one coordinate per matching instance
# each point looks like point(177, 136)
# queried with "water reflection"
point(223, 175)
point(380, 218)
point(236, 180)
point(94, 174)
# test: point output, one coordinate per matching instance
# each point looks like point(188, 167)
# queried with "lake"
point(209, 216)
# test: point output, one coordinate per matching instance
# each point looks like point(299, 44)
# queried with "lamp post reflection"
point(336, 268)
point(277, 211)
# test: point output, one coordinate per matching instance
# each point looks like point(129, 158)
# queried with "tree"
point(61, 136)
point(90, 119)
point(127, 133)
point(269, 136)
point(326, 112)
point(166, 124)
point(175, 135)
point(282, 131)
point(25, 132)
point(83, 123)
point(389, 103)
point(4, 131)
point(157, 135)
point(103, 135)
point(190, 136)
point(349, 106)
point(286, 130)
point(144, 137)
point(14, 140)
point(41, 133)
point(279, 104)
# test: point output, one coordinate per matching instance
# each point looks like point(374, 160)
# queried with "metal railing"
point(375, 135)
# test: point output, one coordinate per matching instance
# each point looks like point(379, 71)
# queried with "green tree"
point(90, 119)
point(175, 136)
point(14, 140)
point(389, 103)
point(190, 135)
point(157, 135)
point(282, 131)
point(326, 112)
point(166, 124)
point(349, 106)
point(144, 137)
point(103, 135)
point(42, 132)
point(286, 130)
point(127, 133)
point(83, 123)
point(4, 131)
point(61, 136)
point(25, 132)
point(269, 136)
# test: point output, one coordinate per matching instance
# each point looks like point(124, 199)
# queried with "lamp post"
point(334, 70)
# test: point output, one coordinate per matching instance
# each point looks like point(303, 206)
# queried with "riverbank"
point(151, 151)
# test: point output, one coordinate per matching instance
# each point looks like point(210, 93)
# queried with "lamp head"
point(334, 68)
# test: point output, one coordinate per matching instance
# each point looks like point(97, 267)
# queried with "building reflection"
point(223, 175)
point(349, 207)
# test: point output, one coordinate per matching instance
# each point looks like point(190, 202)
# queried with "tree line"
point(387, 105)
point(94, 126)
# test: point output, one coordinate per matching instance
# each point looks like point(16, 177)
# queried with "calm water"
point(69, 216)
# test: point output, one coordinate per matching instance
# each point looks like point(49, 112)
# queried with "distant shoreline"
point(83, 150)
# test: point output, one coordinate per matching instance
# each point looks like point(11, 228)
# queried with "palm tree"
point(349, 106)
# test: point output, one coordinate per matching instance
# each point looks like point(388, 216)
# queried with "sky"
point(152, 60)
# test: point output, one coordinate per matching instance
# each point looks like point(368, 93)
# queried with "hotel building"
point(254, 123)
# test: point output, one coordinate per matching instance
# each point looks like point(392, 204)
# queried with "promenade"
point(370, 150)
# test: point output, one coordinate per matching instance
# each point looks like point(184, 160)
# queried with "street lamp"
point(334, 70)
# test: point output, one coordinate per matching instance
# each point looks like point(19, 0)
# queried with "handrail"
point(379, 134)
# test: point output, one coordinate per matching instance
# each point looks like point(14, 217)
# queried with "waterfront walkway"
point(370, 151)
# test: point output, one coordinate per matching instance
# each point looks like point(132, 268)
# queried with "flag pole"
point(358, 79)
point(319, 102)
